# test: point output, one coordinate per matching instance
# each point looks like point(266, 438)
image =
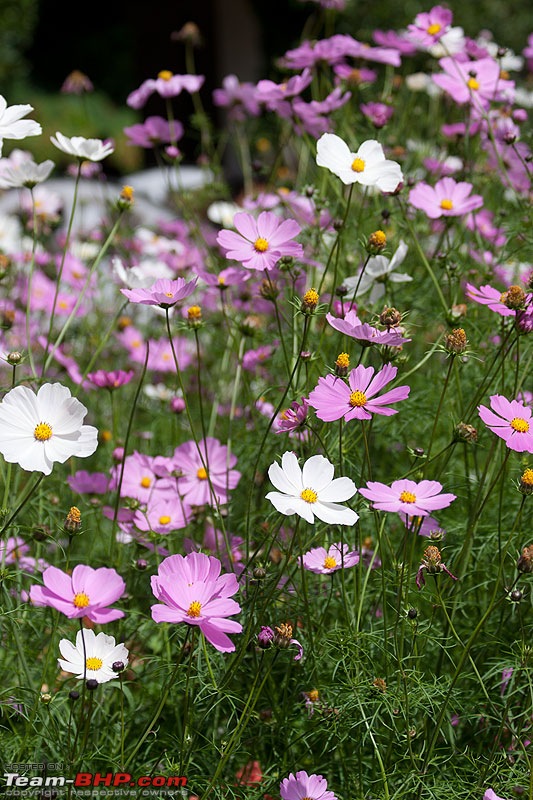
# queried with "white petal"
point(335, 514)
point(317, 473)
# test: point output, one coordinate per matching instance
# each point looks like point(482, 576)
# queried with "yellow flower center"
point(408, 497)
point(94, 663)
point(472, 84)
point(527, 477)
point(329, 562)
point(261, 245)
point(42, 432)
point(127, 193)
point(81, 600)
point(433, 29)
point(164, 520)
point(146, 482)
point(343, 360)
point(202, 474)
point(357, 399)
point(520, 425)
point(165, 75)
point(309, 495)
point(194, 609)
point(358, 165)
point(221, 280)
point(194, 313)
point(313, 695)
point(446, 204)
point(169, 294)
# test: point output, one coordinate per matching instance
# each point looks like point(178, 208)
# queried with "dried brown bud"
point(514, 298)
point(283, 635)
point(456, 342)
point(525, 562)
point(190, 33)
point(465, 433)
point(269, 290)
point(380, 684)
point(73, 520)
point(390, 317)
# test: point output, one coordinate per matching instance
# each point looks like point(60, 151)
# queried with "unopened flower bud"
point(259, 573)
point(526, 482)
point(305, 355)
point(380, 684)
point(91, 684)
point(118, 666)
point(141, 564)
point(516, 596)
point(390, 317)
point(74, 695)
point(525, 562)
point(189, 33)
point(14, 358)
point(177, 405)
point(46, 698)
point(269, 290)
point(73, 520)
point(194, 316)
point(412, 613)
point(123, 323)
point(376, 242)
point(456, 342)
point(250, 325)
point(465, 433)
point(285, 263)
point(342, 365)
point(5, 263)
point(310, 301)
point(125, 199)
point(265, 637)
point(341, 291)
point(77, 82)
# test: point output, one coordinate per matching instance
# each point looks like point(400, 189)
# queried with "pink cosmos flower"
point(166, 85)
point(364, 333)
point(511, 421)
point(85, 593)
point(259, 244)
point(84, 482)
point(302, 785)
point(487, 295)
point(154, 131)
point(164, 292)
point(407, 497)
point(193, 484)
point(490, 794)
point(164, 513)
point(110, 380)
point(334, 399)
point(430, 26)
point(293, 418)
point(239, 98)
point(324, 562)
point(446, 199)
point(476, 82)
point(378, 113)
point(192, 590)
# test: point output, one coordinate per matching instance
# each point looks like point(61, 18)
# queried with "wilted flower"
point(432, 564)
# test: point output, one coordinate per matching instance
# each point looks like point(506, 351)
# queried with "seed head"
point(456, 342)
point(465, 433)
point(390, 317)
point(514, 298)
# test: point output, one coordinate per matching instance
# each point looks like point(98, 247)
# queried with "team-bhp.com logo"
point(94, 779)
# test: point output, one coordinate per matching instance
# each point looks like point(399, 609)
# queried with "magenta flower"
point(486, 295)
point(166, 85)
point(259, 244)
point(446, 199)
point(165, 512)
point(511, 421)
point(164, 292)
point(193, 483)
point(324, 562)
point(305, 787)
point(293, 418)
point(110, 380)
point(192, 590)
point(476, 82)
point(85, 593)
point(334, 399)
point(430, 26)
point(378, 113)
point(154, 131)
point(364, 333)
point(407, 497)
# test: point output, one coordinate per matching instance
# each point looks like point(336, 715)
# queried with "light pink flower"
point(305, 787)
point(334, 399)
point(192, 590)
point(511, 421)
point(407, 497)
point(364, 333)
point(324, 562)
point(446, 199)
point(85, 593)
point(487, 295)
point(476, 82)
point(166, 85)
point(430, 26)
point(205, 479)
point(259, 244)
point(164, 292)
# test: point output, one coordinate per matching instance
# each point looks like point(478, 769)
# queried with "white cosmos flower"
point(311, 491)
point(25, 173)
point(38, 429)
point(93, 656)
point(377, 270)
point(368, 166)
point(12, 126)
point(87, 149)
